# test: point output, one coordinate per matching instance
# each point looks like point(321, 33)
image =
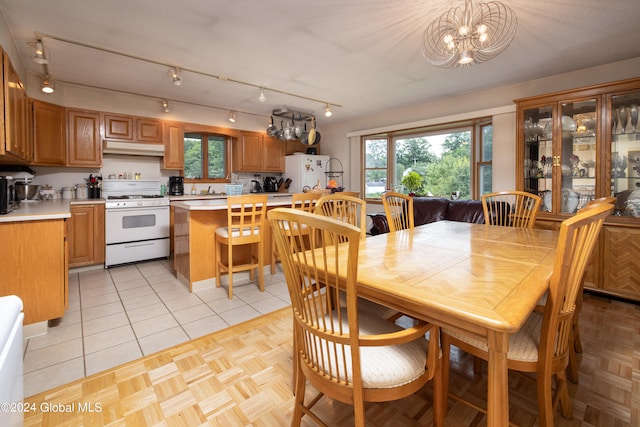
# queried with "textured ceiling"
point(364, 55)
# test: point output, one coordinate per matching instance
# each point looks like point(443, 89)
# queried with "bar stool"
point(246, 218)
point(301, 201)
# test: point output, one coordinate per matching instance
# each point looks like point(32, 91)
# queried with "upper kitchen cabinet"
point(255, 152)
point(134, 129)
point(84, 146)
point(17, 145)
point(173, 146)
point(49, 134)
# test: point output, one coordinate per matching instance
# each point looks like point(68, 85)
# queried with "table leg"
point(498, 387)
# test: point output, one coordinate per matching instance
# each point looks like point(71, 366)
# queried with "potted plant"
point(413, 182)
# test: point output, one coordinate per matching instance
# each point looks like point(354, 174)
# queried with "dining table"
point(475, 278)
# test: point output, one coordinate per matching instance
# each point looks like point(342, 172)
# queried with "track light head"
point(46, 84)
point(39, 56)
point(165, 105)
point(176, 76)
point(232, 116)
point(327, 111)
point(262, 97)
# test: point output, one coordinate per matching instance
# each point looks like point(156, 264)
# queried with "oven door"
point(136, 224)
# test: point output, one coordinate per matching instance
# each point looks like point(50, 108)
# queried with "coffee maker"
point(176, 185)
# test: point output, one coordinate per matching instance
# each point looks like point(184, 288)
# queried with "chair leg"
point(274, 255)
point(299, 387)
point(577, 342)
point(217, 263)
point(445, 346)
point(545, 400)
point(230, 269)
point(477, 366)
point(563, 395)
point(572, 367)
point(261, 267)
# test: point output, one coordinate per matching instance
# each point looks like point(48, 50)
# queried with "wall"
point(341, 139)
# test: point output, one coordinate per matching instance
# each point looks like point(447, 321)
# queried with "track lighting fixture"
point(46, 84)
point(327, 111)
point(176, 76)
point(165, 105)
point(40, 56)
point(232, 116)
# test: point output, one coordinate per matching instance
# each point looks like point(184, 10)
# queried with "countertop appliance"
point(11, 367)
point(136, 221)
point(7, 195)
point(270, 184)
point(176, 185)
point(306, 170)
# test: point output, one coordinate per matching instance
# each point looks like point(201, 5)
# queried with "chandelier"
point(474, 34)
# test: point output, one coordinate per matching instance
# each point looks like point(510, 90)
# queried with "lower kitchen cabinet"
point(86, 235)
point(34, 267)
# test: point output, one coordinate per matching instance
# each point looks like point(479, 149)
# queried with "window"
point(485, 164)
point(205, 156)
point(442, 156)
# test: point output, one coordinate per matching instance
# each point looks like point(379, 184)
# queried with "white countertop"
point(220, 203)
point(45, 209)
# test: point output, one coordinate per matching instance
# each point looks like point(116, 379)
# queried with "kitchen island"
point(34, 261)
point(195, 223)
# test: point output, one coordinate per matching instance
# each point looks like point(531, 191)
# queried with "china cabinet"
point(578, 145)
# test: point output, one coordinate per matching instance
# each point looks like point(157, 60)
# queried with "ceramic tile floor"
point(123, 313)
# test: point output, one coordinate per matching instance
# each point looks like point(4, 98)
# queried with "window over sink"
point(206, 157)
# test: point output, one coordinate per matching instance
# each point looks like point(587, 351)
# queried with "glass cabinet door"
point(578, 156)
point(625, 154)
point(538, 153)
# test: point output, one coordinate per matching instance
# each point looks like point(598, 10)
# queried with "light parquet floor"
point(241, 376)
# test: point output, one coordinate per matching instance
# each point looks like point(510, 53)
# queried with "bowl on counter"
point(27, 191)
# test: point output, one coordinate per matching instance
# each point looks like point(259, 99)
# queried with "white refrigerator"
point(306, 170)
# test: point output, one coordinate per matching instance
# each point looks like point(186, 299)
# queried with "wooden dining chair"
point(576, 342)
point(302, 201)
point(345, 354)
point(246, 219)
point(349, 209)
point(511, 208)
point(353, 210)
point(541, 346)
point(398, 208)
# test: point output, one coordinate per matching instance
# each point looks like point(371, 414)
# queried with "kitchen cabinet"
point(34, 267)
point(84, 145)
point(256, 152)
point(173, 146)
point(49, 134)
point(578, 145)
point(16, 141)
point(86, 235)
point(130, 128)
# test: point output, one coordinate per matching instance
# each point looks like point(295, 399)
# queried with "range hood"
point(132, 148)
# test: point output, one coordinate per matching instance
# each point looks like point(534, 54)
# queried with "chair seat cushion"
point(382, 366)
point(523, 345)
point(235, 232)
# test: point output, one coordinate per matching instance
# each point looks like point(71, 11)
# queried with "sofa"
point(432, 209)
